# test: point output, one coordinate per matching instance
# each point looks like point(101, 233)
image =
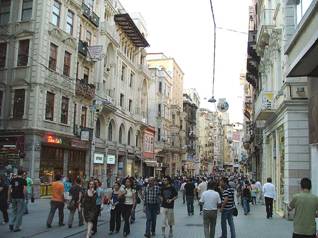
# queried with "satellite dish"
point(223, 105)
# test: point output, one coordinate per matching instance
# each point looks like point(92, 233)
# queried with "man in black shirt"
point(168, 196)
point(76, 192)
point(190, 192)
point(16, 193)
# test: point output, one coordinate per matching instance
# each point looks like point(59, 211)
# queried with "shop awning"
point(127, 24)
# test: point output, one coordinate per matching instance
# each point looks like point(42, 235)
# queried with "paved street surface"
point(254, 225)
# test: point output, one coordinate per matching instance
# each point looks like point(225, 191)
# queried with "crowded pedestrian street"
point(254, 225)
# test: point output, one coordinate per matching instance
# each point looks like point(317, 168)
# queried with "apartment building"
point(280, 102)
point(301, 51)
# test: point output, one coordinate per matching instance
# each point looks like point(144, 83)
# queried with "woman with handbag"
point(129, 203)
point(246, 197)
point(76, 193)
point(115, 212)
point(89, 207)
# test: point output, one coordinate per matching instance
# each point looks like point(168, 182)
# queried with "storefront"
point(60, 155)
point(111, 168)
point(11, 153)
point(121, 162)
point(99, 165)
point(150, 162)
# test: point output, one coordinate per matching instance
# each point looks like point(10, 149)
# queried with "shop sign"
point(79, 144)
point(86, 134)
point(98, 158)
point(111, 159)
point(53, 139)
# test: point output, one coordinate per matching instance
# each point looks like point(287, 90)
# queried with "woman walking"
point(130, 199)
point(90, 208)
point(115, 212)
point(4, 199)
point(99, 199)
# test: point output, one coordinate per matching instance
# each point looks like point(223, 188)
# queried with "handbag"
point(32, 199)
point(235, 212)
point(105, 200)
point(138, 200)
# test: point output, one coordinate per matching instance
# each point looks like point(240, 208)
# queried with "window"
point(3, 54)
point(173, 119)
point(90, 4)
point(86, 75)
point(159, 134)
point(26, 10)
point(120, 139)
point(64, 110)
point(121, 100)
point(83, 116)
point(69, 22)
point(56, 11)
point(159, 110)
point(97, 130)
point(131, 79)
point(80, 32)
point(129, 137)
point(18, 103)
point(49, 110)
point(53, 57)
point(88, 37)
point(23, 53)
point(160, 87)
point(1, 101)
point(123, 72)
point(67, 64)
point(5, 11)
point(110, 131)
point(302, 7)
point(130, 105)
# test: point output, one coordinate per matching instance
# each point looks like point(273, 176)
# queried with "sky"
point(183, 29)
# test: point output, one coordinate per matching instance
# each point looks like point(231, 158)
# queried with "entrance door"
point(76, 163)
point(51, 163)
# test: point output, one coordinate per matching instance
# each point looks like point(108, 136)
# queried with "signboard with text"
point(111, 159)
point(98, 158)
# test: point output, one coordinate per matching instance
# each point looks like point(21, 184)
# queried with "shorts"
point(167, 217)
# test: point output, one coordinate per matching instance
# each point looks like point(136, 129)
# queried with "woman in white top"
point(130, 200)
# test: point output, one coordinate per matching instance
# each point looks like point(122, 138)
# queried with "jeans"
point(56, 205)
point(269, 207)
point(71, 217)
point(5, 214)
point(209, 222)
point(151, 214)
point(246, 205)
point(27, 200)
point(254, 200)
point(126, 214)
point(115, 218)
point(227, 215)
point(190, 200)
point(183, 196)
point(17, 212)
point(132, 216)
point(96, 218)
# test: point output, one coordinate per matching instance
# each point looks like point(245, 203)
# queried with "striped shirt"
point(228, 192)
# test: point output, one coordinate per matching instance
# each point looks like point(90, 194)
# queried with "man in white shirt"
point(269, 195)
point(202, 187)
point(211, 201)
point(182, 189)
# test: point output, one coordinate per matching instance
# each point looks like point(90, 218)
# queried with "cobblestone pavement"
point(254, 225)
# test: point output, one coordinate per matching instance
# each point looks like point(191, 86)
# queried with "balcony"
point(90, 15)
point(266, 23)
point(82, 48)
point(264, 109)
point(108, 105)
point(110, 30)
point(84, 89)
point(252, 79)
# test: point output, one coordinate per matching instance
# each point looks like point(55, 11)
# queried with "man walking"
point(210, 200)
point(190, 192)
point(16, 193)
point(76, 192)
point(183, 190)
point(269, 195)
point(202, 187)
point(168, 196)
point(29, 191)
point(306, 208)
point(57, 201)
point(227, 208)
point(152, 205)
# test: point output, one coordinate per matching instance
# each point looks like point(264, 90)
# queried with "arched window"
point(97, 129)
point(110, 131)
point(137, 139)
point(121, 132)
point(129, 136)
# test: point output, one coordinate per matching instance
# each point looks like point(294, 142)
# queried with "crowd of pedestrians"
point(219, 193)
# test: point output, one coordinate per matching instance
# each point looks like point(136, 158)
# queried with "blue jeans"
point(246, 205)
point(151, 214)
point(18, 207)
point(227, 215)
point(190, 200)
